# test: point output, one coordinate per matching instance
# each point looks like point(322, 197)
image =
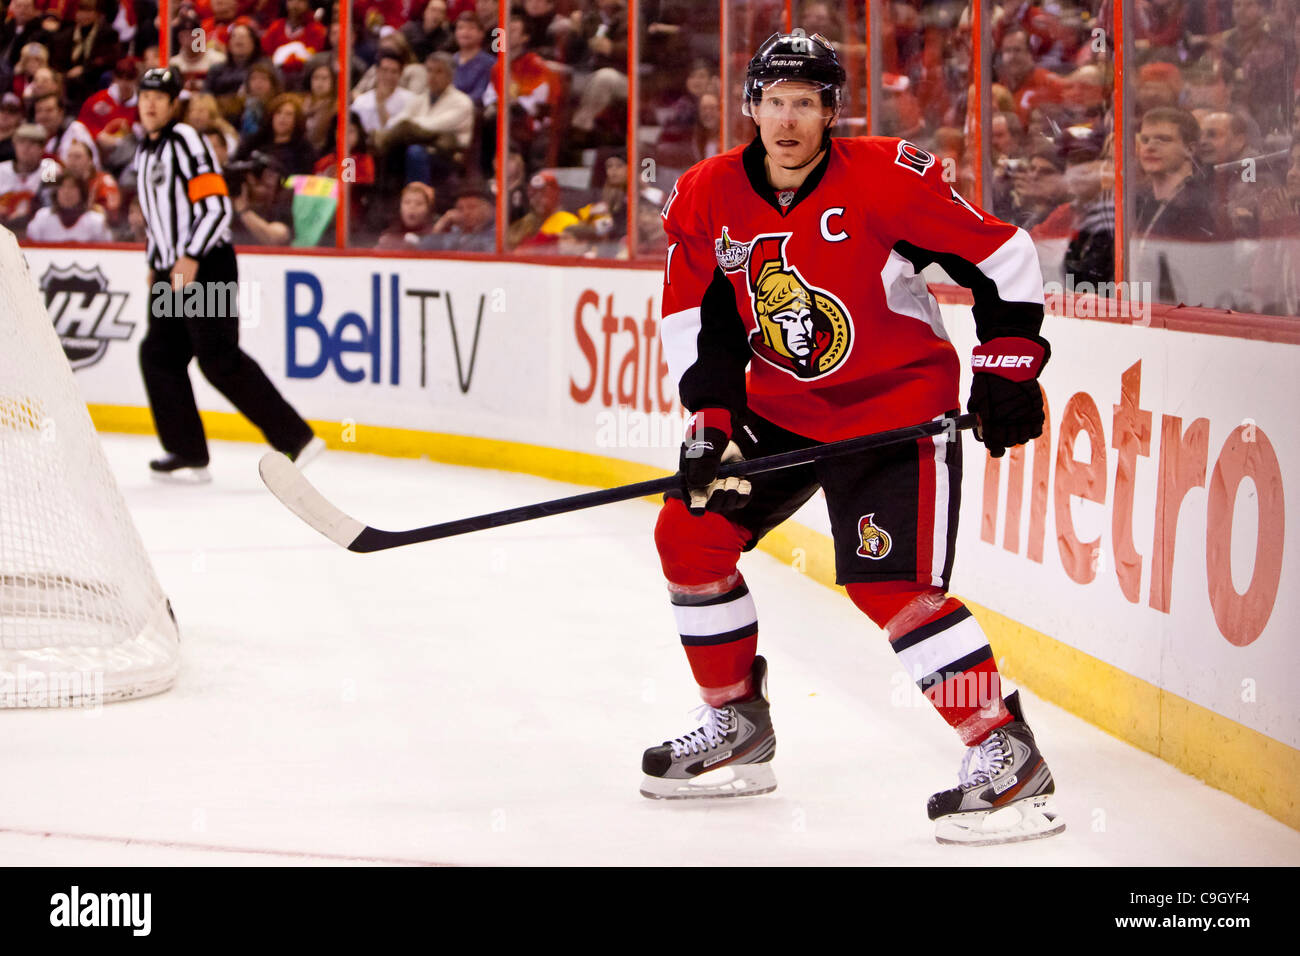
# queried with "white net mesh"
point(82, 616)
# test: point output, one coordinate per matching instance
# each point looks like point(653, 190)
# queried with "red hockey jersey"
point(819, 292)
point(105, 111)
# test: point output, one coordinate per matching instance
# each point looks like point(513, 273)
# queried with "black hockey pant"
point(173, 339)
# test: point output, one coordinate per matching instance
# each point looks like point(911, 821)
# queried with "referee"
point(187, 214)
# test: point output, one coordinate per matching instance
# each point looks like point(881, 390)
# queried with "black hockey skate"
point(729, 755)
point(185, 471)
point(1005, 794)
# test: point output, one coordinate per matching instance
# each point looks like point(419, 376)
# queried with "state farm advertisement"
point(1148, 527)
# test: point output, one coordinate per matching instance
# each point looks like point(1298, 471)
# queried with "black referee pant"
point(173, 339)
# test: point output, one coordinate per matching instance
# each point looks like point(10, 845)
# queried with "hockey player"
point(187, 213)
point(800, 256)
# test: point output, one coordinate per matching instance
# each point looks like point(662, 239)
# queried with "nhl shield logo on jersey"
point(732, 255)
point(876, 542)
point(802, 330)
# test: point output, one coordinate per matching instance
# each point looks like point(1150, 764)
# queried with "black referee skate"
point(307, 451)
point(1005, 794)
point(729, 755)
point(181, 470)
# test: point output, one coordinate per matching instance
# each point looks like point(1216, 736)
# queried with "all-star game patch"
point(731, 255)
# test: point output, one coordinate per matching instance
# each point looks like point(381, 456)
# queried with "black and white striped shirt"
point(183, 196)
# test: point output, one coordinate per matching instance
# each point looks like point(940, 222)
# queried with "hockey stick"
point(299, 496)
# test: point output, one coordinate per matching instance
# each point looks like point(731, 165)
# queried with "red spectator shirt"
point(311, 34)
point(363, 171)
point(825, 302)
point(394, 12)
point(104, 192)
point(1061, 223)
point(456, 7)
point(261, 10)
point(1040, 86)
point(218, 34)
point(528, 73)
point(103, 110)
point(65, 10)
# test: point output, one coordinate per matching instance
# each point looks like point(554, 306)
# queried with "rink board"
point(1131, 565)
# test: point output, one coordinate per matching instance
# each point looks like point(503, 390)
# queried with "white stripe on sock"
point(715, 618)
point(939, 650)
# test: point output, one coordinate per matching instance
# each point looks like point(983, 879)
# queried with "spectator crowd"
point(1212, 183)
point(261, 85)
point(1212, 186)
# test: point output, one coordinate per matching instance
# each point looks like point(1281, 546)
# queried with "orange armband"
point(207, 184)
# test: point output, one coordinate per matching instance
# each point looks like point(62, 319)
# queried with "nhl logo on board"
point(732, 255)
point(86, 313)
point(876, 542)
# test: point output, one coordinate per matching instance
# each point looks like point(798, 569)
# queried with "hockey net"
point(83, 619)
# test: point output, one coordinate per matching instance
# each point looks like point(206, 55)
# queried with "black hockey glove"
point(707, 446)
point(1004, 392)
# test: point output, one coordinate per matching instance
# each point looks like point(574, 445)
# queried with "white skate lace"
point(716, 724)
point(982, 761)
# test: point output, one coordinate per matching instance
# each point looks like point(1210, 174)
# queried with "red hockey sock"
point(723, 670)
point(713, 608)
point(944, 650)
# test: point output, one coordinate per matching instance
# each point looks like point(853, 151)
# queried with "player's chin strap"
point(815, 156)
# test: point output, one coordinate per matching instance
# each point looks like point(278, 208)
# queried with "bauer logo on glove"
point(1011, 357)
point(1004, 392)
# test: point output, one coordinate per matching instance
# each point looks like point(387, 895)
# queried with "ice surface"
point(485, 700)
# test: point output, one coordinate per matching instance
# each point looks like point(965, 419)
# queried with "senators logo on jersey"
point(801, 329)
point(876, 542)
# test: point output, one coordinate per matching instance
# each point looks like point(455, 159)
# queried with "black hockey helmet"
point(164, 80)
point(795, 56)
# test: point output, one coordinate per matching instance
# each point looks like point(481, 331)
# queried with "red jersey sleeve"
point(273, 37)
point(927, 221)
point(690, 264)
point(702, 332)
